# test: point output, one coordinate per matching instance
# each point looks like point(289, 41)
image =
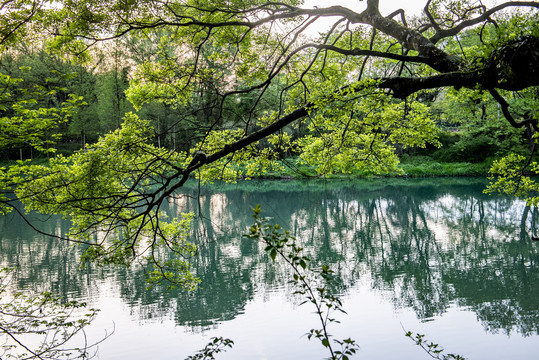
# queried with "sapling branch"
point(312, 284)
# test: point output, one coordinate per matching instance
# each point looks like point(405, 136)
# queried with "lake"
point(434, 256)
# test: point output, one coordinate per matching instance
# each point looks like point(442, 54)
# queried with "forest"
point(108, 108)
point(468, 125)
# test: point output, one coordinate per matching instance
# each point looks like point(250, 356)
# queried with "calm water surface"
point(437, 257)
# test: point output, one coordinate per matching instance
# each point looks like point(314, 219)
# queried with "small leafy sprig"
point(434, 350)
point(215, 346)
point(312, 284)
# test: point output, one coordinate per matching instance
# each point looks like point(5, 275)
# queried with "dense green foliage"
point(130, 99)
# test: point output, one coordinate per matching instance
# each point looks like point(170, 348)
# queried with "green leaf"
point(273, 254)
point(325, 342)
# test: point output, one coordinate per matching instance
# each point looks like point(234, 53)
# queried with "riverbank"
point(423, 166)
point(416, 167)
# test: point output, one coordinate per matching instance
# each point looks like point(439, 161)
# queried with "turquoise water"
point(436, 257)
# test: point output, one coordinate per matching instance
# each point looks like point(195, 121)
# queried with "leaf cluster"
point(111, 193)
point(215, 346)
point(24, 119)
point(508, 175)
point(434, 350)
point(360, 133)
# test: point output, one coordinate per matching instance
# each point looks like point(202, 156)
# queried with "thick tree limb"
point(373, 53)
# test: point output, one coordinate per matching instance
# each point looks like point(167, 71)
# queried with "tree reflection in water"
point(431, 244)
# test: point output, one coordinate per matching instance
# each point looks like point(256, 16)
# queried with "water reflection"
point(428, 244)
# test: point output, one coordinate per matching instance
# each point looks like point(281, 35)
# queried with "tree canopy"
point(252, 80)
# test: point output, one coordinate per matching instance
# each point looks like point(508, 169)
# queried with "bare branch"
point(485, 16)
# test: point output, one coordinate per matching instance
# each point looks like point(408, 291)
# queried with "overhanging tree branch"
point(445, 33)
